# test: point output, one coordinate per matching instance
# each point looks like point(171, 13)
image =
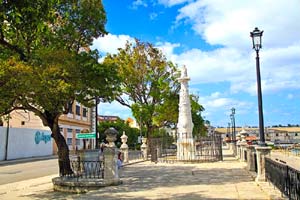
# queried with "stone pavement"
point(220, 180)
point(290, 159)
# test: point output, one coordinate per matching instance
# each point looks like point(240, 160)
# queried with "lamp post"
point(256, 41)
point(233, 124)
point(97, 101)
point(228, 130)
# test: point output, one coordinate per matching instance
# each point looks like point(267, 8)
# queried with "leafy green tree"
point(44, 65)
point(120, 126)
point(199, 123)
point(148, 80)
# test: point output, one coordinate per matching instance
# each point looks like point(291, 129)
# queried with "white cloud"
point(110, 43)
point(138, 3)
point(218, 103)
point(153, 15)
point(229, 22)
point(170, 3)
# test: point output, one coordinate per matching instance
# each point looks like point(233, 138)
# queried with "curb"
point(26, 160)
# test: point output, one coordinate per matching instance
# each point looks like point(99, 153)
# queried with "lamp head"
point(256, 38)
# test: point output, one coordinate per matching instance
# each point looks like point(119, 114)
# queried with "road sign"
point(85, 135)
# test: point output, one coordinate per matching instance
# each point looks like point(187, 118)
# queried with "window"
point(78, 142)
point(286, 134)
point(77, 110)
point(70, 130)
point(296, 134)
point(69, 141)
point(22, 123)
point(84, 112)
point(77, 130)
point(61, 130)
point(276, 134)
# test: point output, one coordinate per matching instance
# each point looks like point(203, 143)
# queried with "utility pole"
point(6, 139)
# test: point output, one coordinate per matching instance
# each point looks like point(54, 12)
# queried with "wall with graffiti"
point(24, 143)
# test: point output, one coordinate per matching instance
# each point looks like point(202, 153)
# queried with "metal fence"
point(284, 177)
point(85, 168)
point(205, 149)
point(134, 156)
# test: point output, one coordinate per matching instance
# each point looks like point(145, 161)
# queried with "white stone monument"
point(185, 141)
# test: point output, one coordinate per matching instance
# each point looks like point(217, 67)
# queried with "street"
point(23, 171)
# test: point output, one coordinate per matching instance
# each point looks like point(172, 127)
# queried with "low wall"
point(24, 143)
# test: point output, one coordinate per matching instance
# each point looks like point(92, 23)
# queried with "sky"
point(212, 39)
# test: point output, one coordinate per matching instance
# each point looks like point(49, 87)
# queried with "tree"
point(196, 109)
point(44, 65)
point(120, 126)
point(148, 80)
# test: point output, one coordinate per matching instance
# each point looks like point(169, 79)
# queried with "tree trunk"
point(63, 151)
point(151, 144)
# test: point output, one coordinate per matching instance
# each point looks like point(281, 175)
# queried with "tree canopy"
point(120, 126)
point(45, 62)
point(148, 83)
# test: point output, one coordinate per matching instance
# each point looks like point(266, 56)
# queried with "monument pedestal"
point(185, 149)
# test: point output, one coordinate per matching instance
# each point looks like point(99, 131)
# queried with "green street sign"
point(85, 135)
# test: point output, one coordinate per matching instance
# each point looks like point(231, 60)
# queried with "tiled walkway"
point(220, 180)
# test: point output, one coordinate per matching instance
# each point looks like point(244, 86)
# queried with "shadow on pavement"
point(165, 181)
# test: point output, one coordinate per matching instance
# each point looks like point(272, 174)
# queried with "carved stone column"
point(243, 146)
point(250, 158)
point(124, 147)
point(144, 148)
point(261, 153)
point(111, 173)
point(185, 140)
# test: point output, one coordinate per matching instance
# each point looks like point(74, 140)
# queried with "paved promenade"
point(220, 180)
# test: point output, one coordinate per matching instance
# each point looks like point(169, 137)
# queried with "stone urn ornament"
point(124, 141)
point(111, 136)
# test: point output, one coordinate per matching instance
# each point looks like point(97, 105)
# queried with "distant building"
point(273, 134)
point(132, 123)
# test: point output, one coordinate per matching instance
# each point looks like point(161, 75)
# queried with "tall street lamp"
point(233, 124)
point(228, 131)
point(97, 101)
point(256, 41)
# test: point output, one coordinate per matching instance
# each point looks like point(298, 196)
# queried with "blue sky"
point(211, 37)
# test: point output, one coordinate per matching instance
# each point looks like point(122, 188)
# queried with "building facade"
point(78, 120)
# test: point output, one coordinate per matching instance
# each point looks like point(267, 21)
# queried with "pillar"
point(124, 147)
point(261, 153)
point(250, 158)
point(144, 148)
point(243, 146)
point(111, 172)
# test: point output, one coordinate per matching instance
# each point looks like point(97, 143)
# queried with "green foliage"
point(45, 65)
point(166, 139)
point(148, 80)
point(120, 126)
point(196, 109)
